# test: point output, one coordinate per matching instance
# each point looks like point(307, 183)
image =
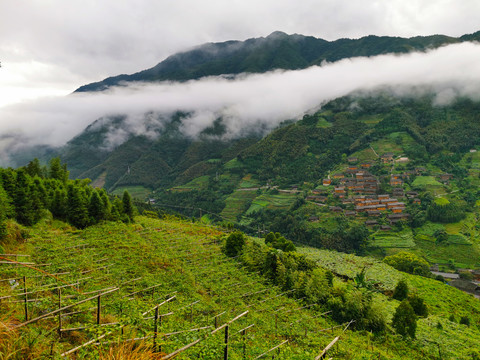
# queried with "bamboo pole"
point(63, 308)
point(83, 345)
point(178, 351)
point(266, 352)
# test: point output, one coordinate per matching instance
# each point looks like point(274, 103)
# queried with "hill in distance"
point(276, 51)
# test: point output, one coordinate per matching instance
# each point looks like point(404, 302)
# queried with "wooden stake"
point(99, 307)
point(155, 330)
point(60, 313)
point(26, 297)
point(225, 351)
point(61, 309)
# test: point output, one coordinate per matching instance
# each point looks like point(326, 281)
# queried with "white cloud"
point(80, 41)
point(248, 101)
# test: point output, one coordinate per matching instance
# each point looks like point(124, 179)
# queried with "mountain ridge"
point(276, 51)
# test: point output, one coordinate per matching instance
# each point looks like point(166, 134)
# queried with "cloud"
point(81, 41)
point(245, 102)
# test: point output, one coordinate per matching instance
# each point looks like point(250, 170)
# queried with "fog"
point(244, 102)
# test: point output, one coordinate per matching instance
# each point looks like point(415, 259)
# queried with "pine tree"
point(58, 205)
point(22, 201)
point(96, 208)
point(77, 211)
point(57, 170)
point(128, 207)
point(5, 211)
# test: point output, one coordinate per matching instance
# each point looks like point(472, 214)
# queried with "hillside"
point(169, 259)
point(276, 51)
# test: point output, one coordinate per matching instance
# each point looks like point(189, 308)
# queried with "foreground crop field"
point(115, 284)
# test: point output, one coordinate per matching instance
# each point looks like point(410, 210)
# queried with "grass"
point(236, 203)
point(269, 201)
point(200, 182)
point(186, 259)
point(422, 181)
point(322, 123)
point(139, 192)
point(388, 239)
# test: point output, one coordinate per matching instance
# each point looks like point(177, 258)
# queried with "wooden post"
point(60, 313)
point(244, 332)
point(191, 313)
point(155, 330)
point(276, 324)
point(99, 307)
point(26, 297)
point(225, 351)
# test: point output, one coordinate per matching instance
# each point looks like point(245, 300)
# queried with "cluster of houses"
point(357, 190)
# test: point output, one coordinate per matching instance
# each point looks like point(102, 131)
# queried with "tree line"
point(28, 193)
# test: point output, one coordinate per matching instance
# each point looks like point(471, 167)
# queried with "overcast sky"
point(51, 47)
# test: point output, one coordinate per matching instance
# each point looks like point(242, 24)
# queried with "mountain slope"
point(276, 51)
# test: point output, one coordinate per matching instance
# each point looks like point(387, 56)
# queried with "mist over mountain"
point(276, 51)
point(107, 131)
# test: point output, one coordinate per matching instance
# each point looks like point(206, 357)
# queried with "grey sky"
point(51, 47)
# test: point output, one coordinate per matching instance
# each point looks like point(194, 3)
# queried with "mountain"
point(276, 51)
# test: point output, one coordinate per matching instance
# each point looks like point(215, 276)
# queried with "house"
point(352, 159)
point(352, 167)
point(360, 175)
point(417, 201)
point(446, 177)
point(366, 164)
point(396, 205)
point(326, 182)
point(411, 194)
point(397, 210)
point(350, 213)
point(339, 190)
point(387, 157)
point(395, 181)
point(371, 222)
point(402, 160)
point(385, 228)
point(336, 209)
point(398, 192)
point(338, 176)
point(383, 197)
point(373, 213)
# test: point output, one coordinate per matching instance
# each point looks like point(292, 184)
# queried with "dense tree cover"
point(445, 213)
point(279, 242)
point(26, 194)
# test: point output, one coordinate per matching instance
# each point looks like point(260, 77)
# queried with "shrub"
point(418, 305)
point(401, 290)
point(234, 244)
point(404, 320)
point(465, 320)
point(408, 262)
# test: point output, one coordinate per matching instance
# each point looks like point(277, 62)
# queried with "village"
point(355, 192)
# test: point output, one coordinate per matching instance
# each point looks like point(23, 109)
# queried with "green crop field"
point(177, 267)
point(279, 201)
point(236, 203)
point(139, 192)
point(426, 181)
